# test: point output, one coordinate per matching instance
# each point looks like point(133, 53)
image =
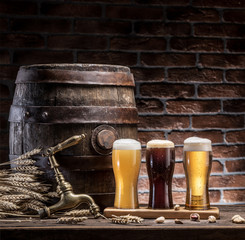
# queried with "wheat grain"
point(26, 155)
point(52, 195)
point(25, 162)
point(14, 197)
point(28, 169)
point(35, 195)
point(71, 220)
point(78, 213)
point(6, 205)
point(5, 189)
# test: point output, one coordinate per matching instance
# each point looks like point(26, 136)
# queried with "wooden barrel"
point(53, 102)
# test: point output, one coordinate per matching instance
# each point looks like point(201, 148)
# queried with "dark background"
point(187, 57)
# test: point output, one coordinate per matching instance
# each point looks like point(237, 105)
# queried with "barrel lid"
point(79, 67)
point(86, 74)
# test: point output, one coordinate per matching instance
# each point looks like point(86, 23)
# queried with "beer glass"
point(126, 159)
point(197, 164)
point(160, 160)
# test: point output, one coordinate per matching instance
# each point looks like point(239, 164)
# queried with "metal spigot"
point(68, 199)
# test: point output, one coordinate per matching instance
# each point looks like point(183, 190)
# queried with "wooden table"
point(36, 229)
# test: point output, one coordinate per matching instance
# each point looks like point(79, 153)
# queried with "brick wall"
point(187, 57)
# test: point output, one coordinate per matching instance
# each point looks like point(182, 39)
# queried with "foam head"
point(160, 144)
point(126, 144)
point(197, 144)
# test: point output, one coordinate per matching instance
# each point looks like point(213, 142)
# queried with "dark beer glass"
point(197, 164)
point(160, 160)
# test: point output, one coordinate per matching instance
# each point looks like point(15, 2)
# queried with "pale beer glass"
point(197, 164)
point(126, 160)
point(160, 160)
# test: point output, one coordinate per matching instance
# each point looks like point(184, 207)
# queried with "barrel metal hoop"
point(73, 114)
point(74, 77)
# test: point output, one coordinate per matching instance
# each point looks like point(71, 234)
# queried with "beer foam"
point(126, 144)
point(197, 144)
point(160, 144)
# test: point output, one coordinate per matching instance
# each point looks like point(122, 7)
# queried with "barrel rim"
point(79, 67)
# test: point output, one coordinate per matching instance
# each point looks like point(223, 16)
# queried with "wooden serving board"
point(167, 213)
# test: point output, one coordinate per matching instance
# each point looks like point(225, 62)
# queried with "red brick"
point(237, 16)
point(179, 197)
point(4, 139)
point(103, 26)
point(178, 153)
point(227, 181)
point(219, 30)
point(18, 7)
point(148, 74)
point(144, 105)
point(21, 40)
point(194, 75)
point(235, 76)
point(77, 42)
point(164, 2)
point(179, 137)
point(235, 166)
point(3, 24)
point(222, 60)
point(134, 12)
point(235, 45)
point(5, 106)
point(192, 106)
point(143, 170)
point(179, 168)
point(168, 59)
point(231, 196)
point(167, 90)
point(35, 56)
point(228, 151)
point(224, 90)
point(162, 29)
point(163, 122)
point(4, 91)
point(235, 136)
point(217, 167)
point(189, 14)
point(218, 121)
point(70, 10)
point(234, 105)
point(41, 25)
point(144, 137)
point(8, 72)
point(121, 58)
point(218, 3)
point(179, 183)
point(197, 44)
point(143, 184)
point(214, 196)
point(4, 57)
point(137, 43)
point(143, 198)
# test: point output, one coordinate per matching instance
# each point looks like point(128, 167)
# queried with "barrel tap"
point(68, 199)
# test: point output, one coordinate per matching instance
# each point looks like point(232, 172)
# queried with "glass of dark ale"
point(197, 164)
point(160, 160)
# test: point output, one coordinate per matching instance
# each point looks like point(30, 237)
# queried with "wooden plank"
point(167, 213)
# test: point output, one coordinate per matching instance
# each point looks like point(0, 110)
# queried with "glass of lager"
point(160, 160)
point(197, 164)
point(126, 159)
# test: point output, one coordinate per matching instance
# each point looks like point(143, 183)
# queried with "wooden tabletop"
point(35, 229)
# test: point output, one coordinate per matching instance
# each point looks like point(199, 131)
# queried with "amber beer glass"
point(197, 164)
point(126, 159)
point(160, 160)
